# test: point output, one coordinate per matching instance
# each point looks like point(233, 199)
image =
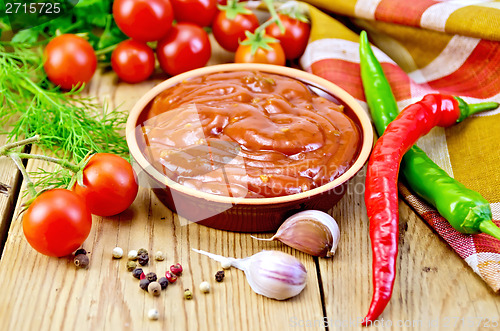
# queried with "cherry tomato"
point(143, 20)
point(294, 39)
point(69, 61)
point(110, 185)
point(185, 47)
point(228, 32)
point(57, 222)
point(199, 12)
point(275, 55)
point(133, 61)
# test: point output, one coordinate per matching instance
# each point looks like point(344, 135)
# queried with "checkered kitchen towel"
point(426, 46)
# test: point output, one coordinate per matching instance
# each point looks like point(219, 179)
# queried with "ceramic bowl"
point(242, 214)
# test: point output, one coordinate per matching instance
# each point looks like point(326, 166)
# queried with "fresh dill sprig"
point(70, 125)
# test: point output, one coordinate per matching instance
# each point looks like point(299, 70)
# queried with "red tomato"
point(273, 56)
point(143, 20)
point(228, 32)
point(69, 61)
point(185, 47)
point(133, 61)
point(110, 185)
point(294, 39)
point(57, 222)
point(199, 12)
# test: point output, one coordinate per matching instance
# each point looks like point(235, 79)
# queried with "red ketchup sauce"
point(248, 134)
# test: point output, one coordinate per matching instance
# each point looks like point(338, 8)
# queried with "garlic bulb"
point(310, 231)
point(273, 274)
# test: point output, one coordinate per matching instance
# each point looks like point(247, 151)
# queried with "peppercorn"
point(205, 287)
point(153, 314)
point(132, 255)
point(143, 276)
point(151, 277)
point(171, 277)
point(226, 264)
point(117, 253)
point(144, 283)
point(81, 261)
point(154, 288)
point(219, 276)
point(80, 251)
point(159, 256)
point(142, 251)
point(131, 265)
point(176, 269)
point(143, 259)
point(137, 273)
point(188, 295)
point(163, 282)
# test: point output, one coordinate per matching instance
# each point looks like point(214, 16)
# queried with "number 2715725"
point(32, 8)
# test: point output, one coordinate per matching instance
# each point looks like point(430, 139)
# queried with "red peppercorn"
point(176, 269)
point(170, 277)
point(142, 276)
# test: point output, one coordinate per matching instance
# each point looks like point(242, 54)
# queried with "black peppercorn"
point(142, 251)
point(151, 277)
point(163, 282)
point(144, 283)
point(219, 276)
point(143, 259)
point(137, 273)
point(81, 261)
point(80, 251)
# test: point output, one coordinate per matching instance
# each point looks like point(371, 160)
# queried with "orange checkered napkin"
point(451, 47)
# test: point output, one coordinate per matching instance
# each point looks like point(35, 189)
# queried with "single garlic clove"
point(276, 275)
point(311, 231)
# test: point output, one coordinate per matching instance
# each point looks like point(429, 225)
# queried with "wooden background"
point(434, 288)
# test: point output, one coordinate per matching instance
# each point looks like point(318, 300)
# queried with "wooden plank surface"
point(434, 287)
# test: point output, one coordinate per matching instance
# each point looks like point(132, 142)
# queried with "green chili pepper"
point(466, 210)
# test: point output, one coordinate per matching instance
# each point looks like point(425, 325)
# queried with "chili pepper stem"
point(490, 228)
point(483, 106)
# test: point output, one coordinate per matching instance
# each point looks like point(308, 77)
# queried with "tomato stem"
point(9, 146)
point(63, 163)
point(274, 16)
point(19, 163)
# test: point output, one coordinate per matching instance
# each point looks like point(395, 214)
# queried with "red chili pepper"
point(381, 195)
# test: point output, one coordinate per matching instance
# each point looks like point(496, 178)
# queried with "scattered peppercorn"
point(188, 295)
point(154, 288)
point(142, 251)
point(143, 259)
point(159, 256)
point(151, 277)
point(219, 276)
point(163, 282)
point(153, 314)
point(171, 277)
point(143, 276)
point(131, 265)
point(81, 261)
point(176, 269)
point(117, 253)
point(205, 287)
point(80, 251)
point(137, 273)
point(144, 283)
point(132, 255)
point(226, 264)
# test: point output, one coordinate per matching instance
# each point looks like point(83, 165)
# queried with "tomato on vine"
point(184, 48)
point(295, 37)
point(69, 61)
point(199, 12)
point(133, 61)
point(259, 48)
point(57, 222)
point(109, 184)
point(143, 20)
point(231, 23)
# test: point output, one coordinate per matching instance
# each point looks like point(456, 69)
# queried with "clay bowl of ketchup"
point(184, 176)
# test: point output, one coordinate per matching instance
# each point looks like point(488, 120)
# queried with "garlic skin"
point(310, 231)
point(273, 274)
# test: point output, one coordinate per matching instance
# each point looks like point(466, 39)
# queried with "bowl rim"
point(335, 90)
